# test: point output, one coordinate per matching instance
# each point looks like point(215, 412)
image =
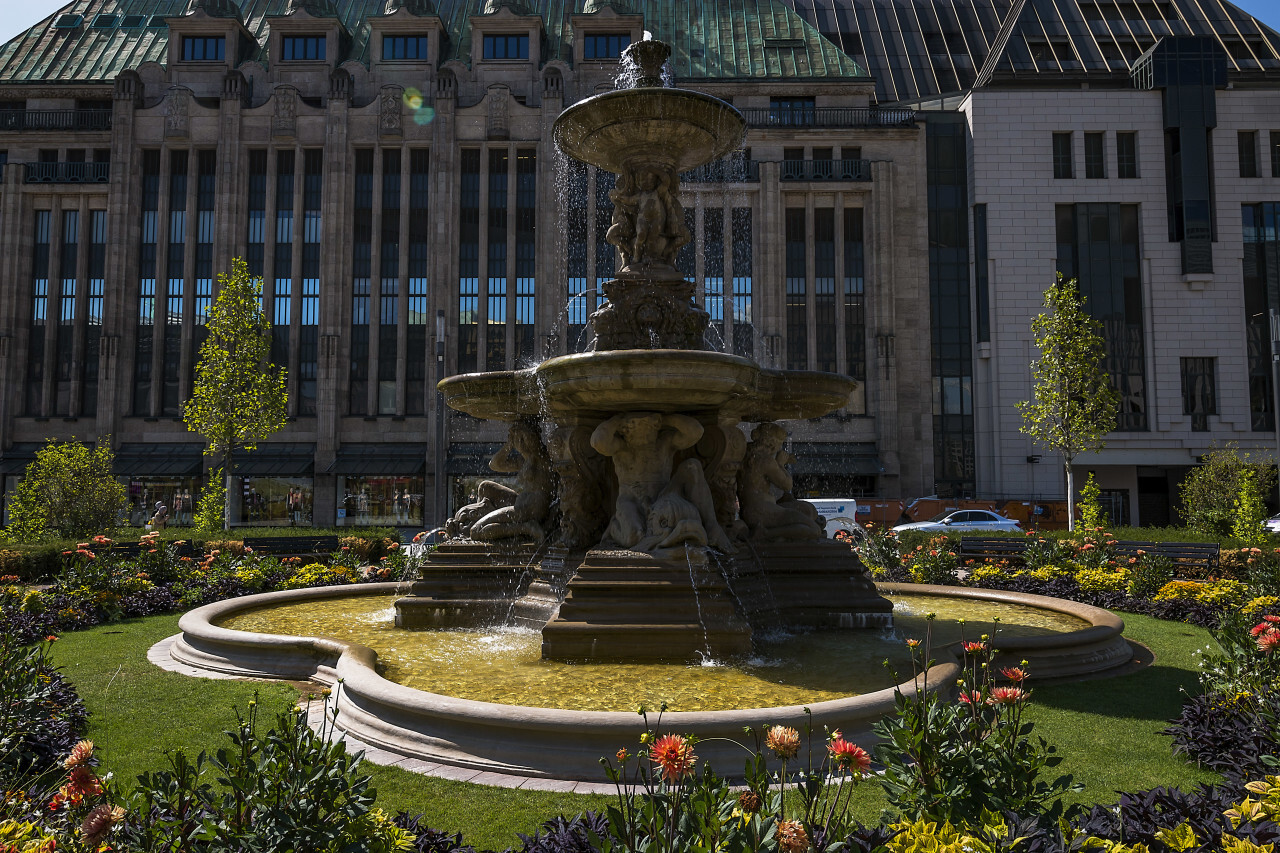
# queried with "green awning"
point(159, 460)
point(471, 458)
point(19, 456)
point(379, 460)
point(856, 458)
point(276, 460)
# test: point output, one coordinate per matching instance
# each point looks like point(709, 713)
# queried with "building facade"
point(387, 169)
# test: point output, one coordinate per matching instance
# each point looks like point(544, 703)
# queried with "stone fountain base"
point(625, 605)
point(467, 584)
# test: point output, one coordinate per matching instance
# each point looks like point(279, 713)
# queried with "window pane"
point(1062, 155)
point(1095, 163)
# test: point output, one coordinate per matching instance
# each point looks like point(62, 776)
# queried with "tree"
point(239, 397)
point(1074, 405)
point(1211, 490)
point(68, 490)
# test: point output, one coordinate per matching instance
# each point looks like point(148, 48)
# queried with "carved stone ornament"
point(177, 113)
point(499, 101)
point(391, 111)
point(581, 472)
point(340, 85)
point(235, 87)
point(643, 314)
point(128, 87)
point(284, 121)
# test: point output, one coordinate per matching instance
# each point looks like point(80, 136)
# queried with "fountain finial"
point(647, 58)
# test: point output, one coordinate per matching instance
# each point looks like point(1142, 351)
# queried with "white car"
point(1272, 524)
point(839, 514)
point(962, 521)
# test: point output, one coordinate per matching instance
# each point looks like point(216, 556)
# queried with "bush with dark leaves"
point(567, 835)
point(41, 717)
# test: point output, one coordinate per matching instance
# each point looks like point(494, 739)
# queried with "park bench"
point(992, 548)
point(293, 546)
point(1202, 556)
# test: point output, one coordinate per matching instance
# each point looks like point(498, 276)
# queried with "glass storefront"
point(271, 502)
point(382, 500)
point(179, 494)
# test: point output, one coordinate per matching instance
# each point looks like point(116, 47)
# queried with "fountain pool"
point(504, 665)
point(566, 744)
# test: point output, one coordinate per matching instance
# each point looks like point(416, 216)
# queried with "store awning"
point(470, 458)
point(159, 460)
point(276, 460)
point(379, 460)
point(857, 458)
point(19, 456)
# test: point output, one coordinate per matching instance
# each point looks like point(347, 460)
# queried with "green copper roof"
point(719, 39)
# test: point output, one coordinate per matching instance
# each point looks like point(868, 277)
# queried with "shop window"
point(382, 500)
point(271, 502)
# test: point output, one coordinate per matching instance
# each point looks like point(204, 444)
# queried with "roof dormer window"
point(506, 46)
point(405, 48)
point(302, 48)
point(204, 48)
point(597, 46)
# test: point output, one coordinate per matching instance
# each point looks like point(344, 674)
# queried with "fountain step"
point(635, 641)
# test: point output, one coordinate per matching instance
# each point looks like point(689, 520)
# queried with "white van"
point(839, 514)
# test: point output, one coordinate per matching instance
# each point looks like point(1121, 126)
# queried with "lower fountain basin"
point(567, 744)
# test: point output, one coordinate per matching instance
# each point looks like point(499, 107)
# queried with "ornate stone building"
point(387, 170)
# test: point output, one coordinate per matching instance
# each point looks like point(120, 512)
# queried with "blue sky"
point(17, 15)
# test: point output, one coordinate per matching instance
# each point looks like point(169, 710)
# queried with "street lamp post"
point(441, 499)
point(1275, 388)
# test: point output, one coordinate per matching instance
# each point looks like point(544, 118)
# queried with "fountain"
point(645, 527)
point(644, 524)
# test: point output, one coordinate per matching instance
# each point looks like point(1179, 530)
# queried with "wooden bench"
point(992, 548)
point(1200, 555)
point(293, 546)
point(1185, 555)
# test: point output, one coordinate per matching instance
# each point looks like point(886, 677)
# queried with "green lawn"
point(1107, 729)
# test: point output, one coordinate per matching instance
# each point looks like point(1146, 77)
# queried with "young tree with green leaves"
point(68, 490)
point(239, 396)
point(1211, 490)
point(1073, 405)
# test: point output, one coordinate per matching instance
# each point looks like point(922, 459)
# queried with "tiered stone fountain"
point(644, 524)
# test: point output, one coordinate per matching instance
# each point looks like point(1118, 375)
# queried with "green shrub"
point(288, 789)
point(68, 490)
point(951, 761)
point(32, 562)
point(211, 505)
point(934, 562)
point(1090, 510)
point(1210, 490)
point(1250, 511)
point(1148, 574)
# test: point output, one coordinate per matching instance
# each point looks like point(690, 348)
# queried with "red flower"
point(1007, 695)
point(1016, 674)
point(970, 698)
point(1260, 628)
point(674, 756)
point(52, 638)
point(973, 647)
point(1269, 641)
point(850, 755)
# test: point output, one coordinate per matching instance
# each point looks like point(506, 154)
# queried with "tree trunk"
point(226, 493)
point(1071, 498)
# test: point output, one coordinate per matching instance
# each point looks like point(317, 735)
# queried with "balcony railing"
point(55, 119)
point(826, 170)
point(68, 173)
point(828, 117)
point(727, 171)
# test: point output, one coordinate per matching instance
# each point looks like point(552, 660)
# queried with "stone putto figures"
point(505, 513)
point(767, 514)
point(661, 506)
point(648, 221)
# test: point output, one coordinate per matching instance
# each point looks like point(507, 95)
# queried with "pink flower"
point(1016, 674)
point(970, 698)
point(913, 643)
point(393, 546)
point(973, 647)
point(1260, 628)
point(1007, 695)
point(1269, 642)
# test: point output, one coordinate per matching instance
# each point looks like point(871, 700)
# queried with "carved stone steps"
point(631, 606)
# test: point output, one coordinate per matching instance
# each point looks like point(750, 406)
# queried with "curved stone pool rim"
point(549, 743)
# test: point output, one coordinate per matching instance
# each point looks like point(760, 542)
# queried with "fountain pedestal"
point(624, 605)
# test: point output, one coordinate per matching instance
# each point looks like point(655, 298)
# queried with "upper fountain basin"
point(677, 128)
point(660, 380)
